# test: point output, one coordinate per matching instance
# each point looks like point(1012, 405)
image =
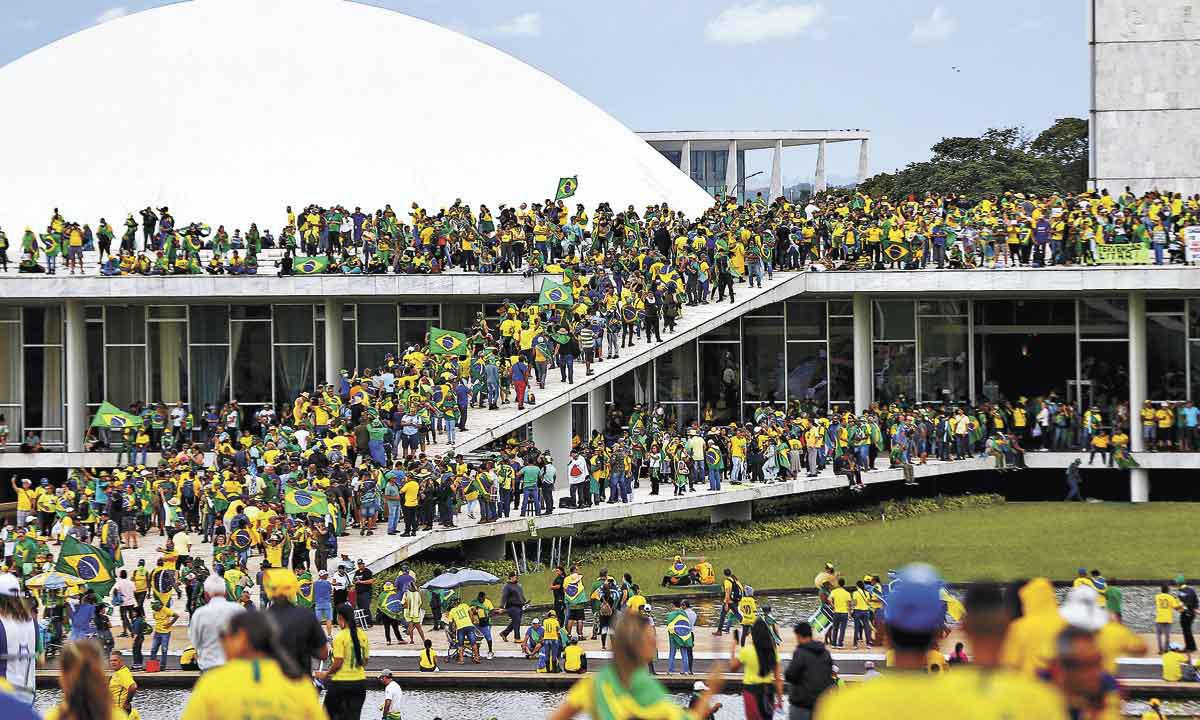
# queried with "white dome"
point(229, 110)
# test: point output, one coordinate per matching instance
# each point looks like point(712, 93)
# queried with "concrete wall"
point(1145, 94)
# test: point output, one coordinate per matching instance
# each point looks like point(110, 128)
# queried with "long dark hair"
point(263, 635)
point(346, 613)
point(764, 647)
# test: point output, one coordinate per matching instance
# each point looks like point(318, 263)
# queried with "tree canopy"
point(1001, 159)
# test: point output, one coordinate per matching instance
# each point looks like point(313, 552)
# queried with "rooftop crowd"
point(836, 230)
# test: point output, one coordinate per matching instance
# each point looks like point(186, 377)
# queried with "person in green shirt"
point(1113, 598)
point(531, 502)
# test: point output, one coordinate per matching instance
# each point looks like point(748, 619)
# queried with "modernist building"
point(1145, 94)
point(717, 160)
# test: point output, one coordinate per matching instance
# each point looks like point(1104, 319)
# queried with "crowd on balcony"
point(836, 230)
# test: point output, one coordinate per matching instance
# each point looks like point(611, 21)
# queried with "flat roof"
point(748, 139)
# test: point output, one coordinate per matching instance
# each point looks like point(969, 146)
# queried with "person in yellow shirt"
point(26, 500)
point(121, 685)
point(83, 684)
point(1173, 662)
point(1029, 645)
point(258, 681)
point(1165, 605)
point(747, 609)
point(840, 600)
point(346, 679)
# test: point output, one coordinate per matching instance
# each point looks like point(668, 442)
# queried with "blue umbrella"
point(458, 577)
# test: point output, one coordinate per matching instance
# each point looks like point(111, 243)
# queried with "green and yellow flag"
point(566, 187)
point(555, 294)
point(310, 265)
point(112, 417)
point(447, 342)
point(298, 502)
point(304, 598)
point(88, 563)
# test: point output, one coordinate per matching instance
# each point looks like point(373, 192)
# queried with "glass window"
point(1034, 364)
point(895, 377)
point(421, 311)
point(168, 312)
point(1166, 357)
point(209, 324)
point(250, 312)
point(168, 362)
point(209, 376)
point(729, 331)
point(293, 323)
point(1025, 312)
point(414, 331)
point(1103, 318)
point(808, 371)
point(372, 356)
point(841, 308)
point(376, 323)
point(43, 387)
point(632, 388)
point(125, 375)
point(676, 374)
point(125, 325)
point(293, 371)
point(1194, 362)
point(10, 363)
point(13, 312)
point(764, 378)
point(1104, 373)
point(43, 326)
point(894, 320)
point(944, 359)
point(720, 373)
point(251, 351)
point(95, 349)
point(942, 307)
point(805, 320)
point(841, 359)
point(320, 347)
point(1164, 305)
point(679, 415)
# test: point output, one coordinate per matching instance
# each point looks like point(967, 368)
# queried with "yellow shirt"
point(1165, 605)
point(635, 604)
point(26, 499)
point(343, 647)
point(934, 696)
point(119, 685)
point(572, 658)
point(840, 599)
point(252, 690)
point(550, 629)
point(748, 609)
point(57, 713)
point(1005, 694)
point(862, 600)
point(737, 447)
point(461, 616)
point(748, 657)
point(1172, 666)
point(164, 618)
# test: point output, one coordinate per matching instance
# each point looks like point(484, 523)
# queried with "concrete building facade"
point(1145, 94)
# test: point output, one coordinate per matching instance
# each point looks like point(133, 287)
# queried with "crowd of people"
point(835, 230)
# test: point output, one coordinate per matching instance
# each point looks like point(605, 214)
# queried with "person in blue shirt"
point(520, 379)
point(322, 591)
point(1191, 419)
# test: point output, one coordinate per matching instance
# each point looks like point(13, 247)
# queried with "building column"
point(731, 170)
point(863, 357)
point(819, 179)
point(685, 158)
point(730, 512)
point(777, 171)
point(334, 340)
point(1139, 478)
point(75, 427)
point(864, 158)
point(552, 434)
point(597, 409)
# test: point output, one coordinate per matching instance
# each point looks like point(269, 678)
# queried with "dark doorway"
point(1011, 365)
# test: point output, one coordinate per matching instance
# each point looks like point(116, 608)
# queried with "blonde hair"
point(84, 688)
point(627, 643)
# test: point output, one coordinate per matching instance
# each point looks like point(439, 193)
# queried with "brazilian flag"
point(447, 342)
point(111, 417)
point(240, 539)
point(555, 294)
point(392, 604)
point(225, 557)
point(896, 251)
point(304, 598)
point(162, 582)
point(310, 265)
point(680, 629)
point(88, 563)
point(566, 187)
point(298, 502)
point(712, 456)
point(51, 244)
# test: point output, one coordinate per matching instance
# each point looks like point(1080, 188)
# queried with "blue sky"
point(911, 72)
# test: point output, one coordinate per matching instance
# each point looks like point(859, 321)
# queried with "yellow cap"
point(281, 583)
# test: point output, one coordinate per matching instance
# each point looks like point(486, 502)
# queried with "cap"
point(1180, 579)
point(385, 673)
point(699, 686)
point(1081, 610)
point(915, 605)
point(9, 585)
point(869, 665)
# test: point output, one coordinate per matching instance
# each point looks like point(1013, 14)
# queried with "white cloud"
point(524, 25)
point(938, 26)
point(761, 20)
point(112, 13)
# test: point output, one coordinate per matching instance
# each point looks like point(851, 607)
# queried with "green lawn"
point(1007, 542)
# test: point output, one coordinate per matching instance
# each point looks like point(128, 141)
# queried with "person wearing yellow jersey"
point(258, 680)
point(747, 609)
point(84, 692)
point(1165, 605)
point(462, 617)
point(840, 600)
point(26, 500)
point(121, 685)
point(346, 679)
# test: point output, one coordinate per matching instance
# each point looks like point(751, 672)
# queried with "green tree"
point(1002, 159)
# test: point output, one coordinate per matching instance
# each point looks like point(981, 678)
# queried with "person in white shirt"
point(392, 695)
point(209, 621)
point(123, 596)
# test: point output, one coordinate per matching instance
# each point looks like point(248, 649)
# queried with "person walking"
point(512, 602)
point(808, 674)
point(1073, 479)
point(346, 679)
point(210, 622)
